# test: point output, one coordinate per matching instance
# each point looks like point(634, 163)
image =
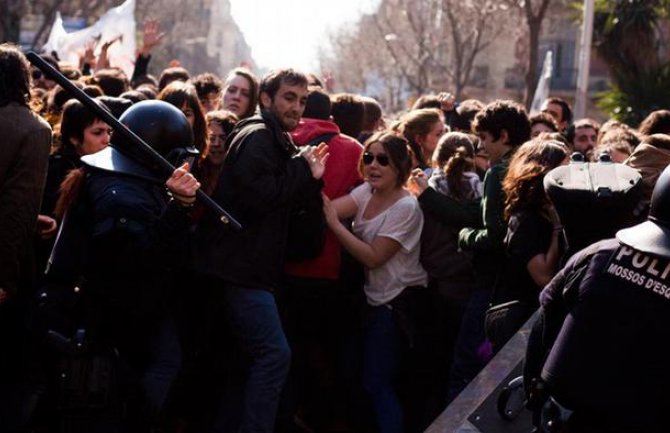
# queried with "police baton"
point(121, 129)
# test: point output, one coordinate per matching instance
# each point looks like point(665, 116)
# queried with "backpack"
point(307, 224)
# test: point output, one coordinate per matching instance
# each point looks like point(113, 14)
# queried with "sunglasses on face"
point(382, 159)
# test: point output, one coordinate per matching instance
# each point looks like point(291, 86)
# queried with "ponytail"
point(460, 162)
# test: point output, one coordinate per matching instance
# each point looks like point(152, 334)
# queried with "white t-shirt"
point(401, 222)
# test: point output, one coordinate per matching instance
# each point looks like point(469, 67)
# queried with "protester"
point(262, 177)
point(385, 239)
point(618, 143)
point(316, 306)
point(542, 122)
point(422, 128)
point(220, 124)
point(348, 113)
point(582, 137)
point(23, 164)
point(175, 73)
point(450, 271)
point(151, 37)
point(462, 116)
point(240, 93)
point(373, 120)
point(657, 122)
point(560, 110)
point(534, 241)
point(650, 158)
point(209, 88)
point(184, 96)
point(502, 127)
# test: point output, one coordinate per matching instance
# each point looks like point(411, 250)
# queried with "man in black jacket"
point(263, 176)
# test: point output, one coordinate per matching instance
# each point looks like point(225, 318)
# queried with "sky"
point(285, 33)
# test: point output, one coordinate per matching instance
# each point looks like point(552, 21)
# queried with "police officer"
point(607, 314)
point(117, 254)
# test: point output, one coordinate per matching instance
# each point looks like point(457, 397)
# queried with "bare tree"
point(534, 12)
point(426, 45)
point(473, 26)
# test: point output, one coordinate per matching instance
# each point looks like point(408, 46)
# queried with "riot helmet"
point(653, 235)
point(163, 127)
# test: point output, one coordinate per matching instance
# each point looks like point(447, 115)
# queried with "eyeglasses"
point(382, 159)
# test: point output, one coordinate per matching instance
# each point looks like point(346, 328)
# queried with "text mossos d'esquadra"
point(641, 269)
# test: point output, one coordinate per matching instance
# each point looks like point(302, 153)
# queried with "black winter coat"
point(262, 178)
point(122, 239)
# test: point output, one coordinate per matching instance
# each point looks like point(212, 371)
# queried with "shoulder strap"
point(323, 138)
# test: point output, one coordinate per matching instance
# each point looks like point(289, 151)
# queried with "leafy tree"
point(628, 35)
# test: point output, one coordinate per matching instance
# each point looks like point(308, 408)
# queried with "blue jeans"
point(254, 321)
point(380, 366)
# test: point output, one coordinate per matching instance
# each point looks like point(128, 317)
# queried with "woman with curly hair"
point(534, 234)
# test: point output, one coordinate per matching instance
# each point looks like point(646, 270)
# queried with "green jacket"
point(491, 237)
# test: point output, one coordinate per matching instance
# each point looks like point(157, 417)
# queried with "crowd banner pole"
point(119, 128)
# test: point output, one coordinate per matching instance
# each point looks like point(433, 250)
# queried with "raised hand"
point(103, 58)
point(316, 157)
point(151, 36)
point(447, 101)
point(88, 55)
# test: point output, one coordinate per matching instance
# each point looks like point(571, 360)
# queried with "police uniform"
point(607, 363)
point(119, 247)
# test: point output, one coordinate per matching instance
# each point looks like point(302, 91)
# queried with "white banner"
point(542, 90)
point(119, 21)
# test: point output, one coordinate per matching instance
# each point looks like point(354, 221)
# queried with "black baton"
point(121, 129)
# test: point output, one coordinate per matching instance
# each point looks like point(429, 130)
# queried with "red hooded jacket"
point(340, 177)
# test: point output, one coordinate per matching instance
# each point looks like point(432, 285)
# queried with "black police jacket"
point(608, 363)
point(121, 238)
point(262, 179)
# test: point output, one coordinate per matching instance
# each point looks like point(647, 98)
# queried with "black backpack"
point(307, 224)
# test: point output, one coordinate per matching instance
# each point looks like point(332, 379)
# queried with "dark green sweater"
point(487, 242)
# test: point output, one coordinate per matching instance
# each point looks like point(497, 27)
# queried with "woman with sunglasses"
point(387, 223)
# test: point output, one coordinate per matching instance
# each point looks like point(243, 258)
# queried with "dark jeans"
point(320, 319)
point(254, 321)
point(381, 356)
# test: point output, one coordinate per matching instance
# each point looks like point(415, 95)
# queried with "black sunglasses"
point(382, 159)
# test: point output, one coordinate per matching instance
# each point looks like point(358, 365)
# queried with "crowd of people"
point(381, 263)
